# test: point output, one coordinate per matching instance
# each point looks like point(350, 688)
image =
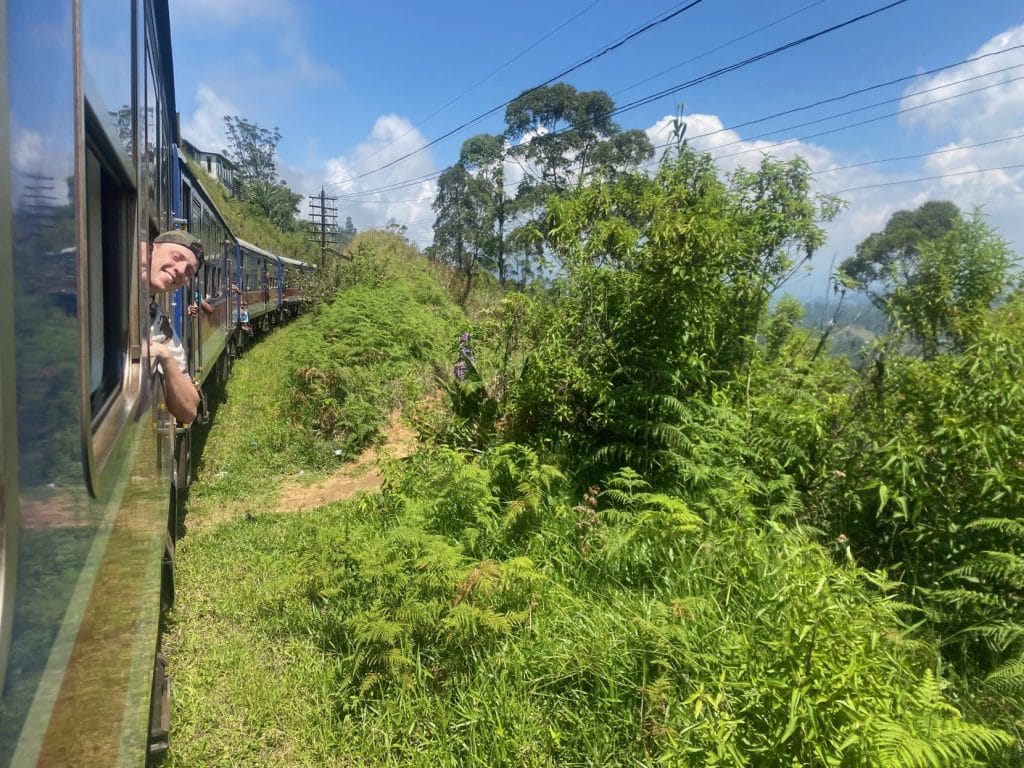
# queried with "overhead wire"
point(480, 82)
point(918, 155)
point(927, 178)
point(713, 74)
point(860, 91)
point(863, 122)
point(645, 100)
point(718, 48)
point(793, 110)
point(592, 57)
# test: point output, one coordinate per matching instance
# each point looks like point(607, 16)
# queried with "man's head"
point(176, 256)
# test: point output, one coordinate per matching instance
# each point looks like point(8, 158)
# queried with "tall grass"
point(482, 610)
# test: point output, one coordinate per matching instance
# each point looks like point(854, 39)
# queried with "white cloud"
point(392, 137)
point(205, 127)
point(988, 114)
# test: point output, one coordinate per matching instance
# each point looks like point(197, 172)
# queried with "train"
point(93, 468)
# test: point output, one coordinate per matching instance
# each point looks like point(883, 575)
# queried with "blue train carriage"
point(259, 270)
point(206, 336)
point(87, 448)
point(292, 277)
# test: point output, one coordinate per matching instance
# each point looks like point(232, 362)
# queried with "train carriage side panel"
point(279, 282)
point(259, 269)
point(208, 331)
point(93, 475)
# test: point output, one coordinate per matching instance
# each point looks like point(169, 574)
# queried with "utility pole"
point(323, 215)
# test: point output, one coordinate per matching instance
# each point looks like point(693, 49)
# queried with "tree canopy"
point(933, 272)
point(254, 150)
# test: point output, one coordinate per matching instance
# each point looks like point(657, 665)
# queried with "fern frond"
point(1005, 567)
point(1008, 680)
point(1008, 526)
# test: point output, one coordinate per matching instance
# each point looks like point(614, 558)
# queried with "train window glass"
point(94, 229)
point(165, 167)
point(106, 50)
point(152, 177)
point(107, 213)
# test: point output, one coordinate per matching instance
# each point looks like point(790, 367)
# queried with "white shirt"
point(161, 330)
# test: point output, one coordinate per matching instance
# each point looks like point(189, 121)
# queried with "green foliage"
point(667, 278)
point(372, 347)
point(254, 150)
point(328, 381)
point(456, 633)
point(934, 273)
point(608, 553)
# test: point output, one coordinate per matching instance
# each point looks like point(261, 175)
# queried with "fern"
point(1007, 680)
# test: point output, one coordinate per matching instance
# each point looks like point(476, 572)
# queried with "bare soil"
point(361, 475)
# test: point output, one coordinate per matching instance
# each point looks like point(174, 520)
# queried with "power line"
point(860, 91)
point(741, 64)
point(878, 104)
point(820, 102)
point(477, 84)
point(919, 155)
point(653, 97)
point(866, 122)
point(392, 186)
point(718, 48)
point(593, 57)
point(926, 178)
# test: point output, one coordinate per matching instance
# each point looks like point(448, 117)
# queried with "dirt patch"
point(361, 475)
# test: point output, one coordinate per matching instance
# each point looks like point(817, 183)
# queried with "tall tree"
point(460, 232)
point(933, 272)
point(484, 154)
point(254, 150)
point(893, 253)
point(569, 138)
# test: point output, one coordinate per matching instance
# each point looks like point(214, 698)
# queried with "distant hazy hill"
point(857, 323)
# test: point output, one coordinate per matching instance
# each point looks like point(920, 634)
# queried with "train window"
point(107, 271)
point(152, 150)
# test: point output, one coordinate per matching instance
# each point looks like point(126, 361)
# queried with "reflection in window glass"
point(107, 214)
point(152, 179)
point(106, 46)
point(94, 228)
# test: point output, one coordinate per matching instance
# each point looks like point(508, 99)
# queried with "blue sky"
point(352, 85)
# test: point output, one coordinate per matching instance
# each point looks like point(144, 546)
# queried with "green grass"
point(243, 695)
point(478, 612)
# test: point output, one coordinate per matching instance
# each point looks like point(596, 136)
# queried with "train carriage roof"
point(256, 249)
point(269, 254)
point(296, 263)
point(198, 184)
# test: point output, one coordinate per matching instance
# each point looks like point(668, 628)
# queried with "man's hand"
point(193, 309)
point(161, 353)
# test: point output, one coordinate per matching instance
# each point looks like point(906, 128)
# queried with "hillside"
point(572, 569)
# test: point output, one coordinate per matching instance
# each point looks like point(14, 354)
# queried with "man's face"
point(171, 266)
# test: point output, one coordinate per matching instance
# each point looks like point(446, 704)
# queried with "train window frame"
point(108, 268)
point(9, 504)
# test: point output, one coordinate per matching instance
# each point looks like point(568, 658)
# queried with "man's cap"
point(181, 237)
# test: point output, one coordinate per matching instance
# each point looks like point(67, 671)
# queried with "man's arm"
point(180, 394)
